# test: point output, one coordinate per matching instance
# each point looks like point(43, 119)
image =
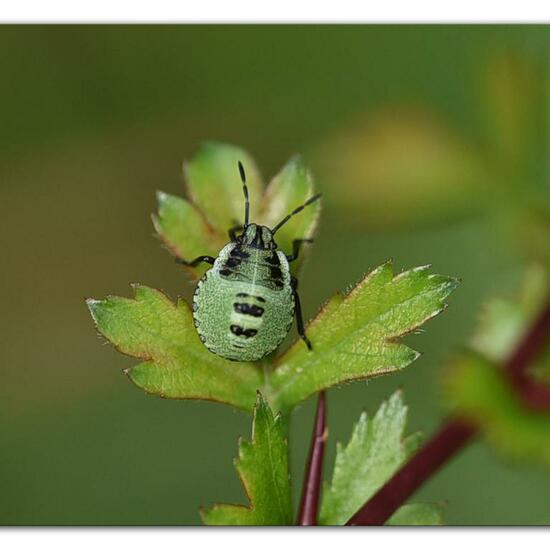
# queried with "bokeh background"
point(402, 129)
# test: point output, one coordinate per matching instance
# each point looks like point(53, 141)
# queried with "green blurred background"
point(93, 120)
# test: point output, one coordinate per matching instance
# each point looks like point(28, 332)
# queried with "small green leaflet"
point(377, 448)
point(263, 468)
point(477, 390)
point(185, 232)
point(355, 336)
point(199, 225)
point(175, 362)
point(292, 186)
point(215, 187)
point(503, 321)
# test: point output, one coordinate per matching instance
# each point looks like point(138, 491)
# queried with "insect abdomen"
point(245, 314)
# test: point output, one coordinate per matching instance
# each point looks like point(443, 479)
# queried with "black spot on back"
point(237, 330)
point(248, 309)
point(239, 253)
point(273, 259)
point(233, 262)
point(276, 272)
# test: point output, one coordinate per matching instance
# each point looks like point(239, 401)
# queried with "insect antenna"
point(295, 211)
point(245, 193)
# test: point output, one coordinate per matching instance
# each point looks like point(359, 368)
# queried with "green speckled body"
point(243, 306)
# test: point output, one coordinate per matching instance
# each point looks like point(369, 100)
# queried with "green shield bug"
point(244, 305)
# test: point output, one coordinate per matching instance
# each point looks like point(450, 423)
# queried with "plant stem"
point(456, 433)
point(309, 505)
point(529, 348)
point(534, 395)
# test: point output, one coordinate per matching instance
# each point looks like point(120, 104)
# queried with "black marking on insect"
point(233, 262)
point(251, 269)
point(273, 259)
point(248, 309)
point(237, 330)
point(239, 252)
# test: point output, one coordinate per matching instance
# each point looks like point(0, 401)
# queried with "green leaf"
point(478, 390)
point(185, 232)
point(420, 513)
point(288, 190)
point(377, 448)
point(504, 321)
point(263, 468)
point(501, 326)
point(355, 336)
point(215, 186)
point(176, 363)
point(197, 227)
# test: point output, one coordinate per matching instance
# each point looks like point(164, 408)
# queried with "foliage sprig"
point(355, 335)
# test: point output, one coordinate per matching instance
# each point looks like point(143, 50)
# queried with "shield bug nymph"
point(244, 305)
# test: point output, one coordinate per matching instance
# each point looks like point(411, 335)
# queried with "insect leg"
point(233, 232)
point(196, 261)
point(298, 312)
point(296, 245)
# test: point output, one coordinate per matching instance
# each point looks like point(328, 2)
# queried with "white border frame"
point(279, 11)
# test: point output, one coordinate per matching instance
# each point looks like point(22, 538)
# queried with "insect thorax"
point(255, 260)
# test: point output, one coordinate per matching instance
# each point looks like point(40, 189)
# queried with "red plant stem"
point(309, 505)
point(451, 438)
point(529, 348)
point(457, 433)
point(536, 396)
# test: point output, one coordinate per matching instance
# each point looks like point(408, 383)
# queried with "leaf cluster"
point(356, 335)
point(377, 448)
